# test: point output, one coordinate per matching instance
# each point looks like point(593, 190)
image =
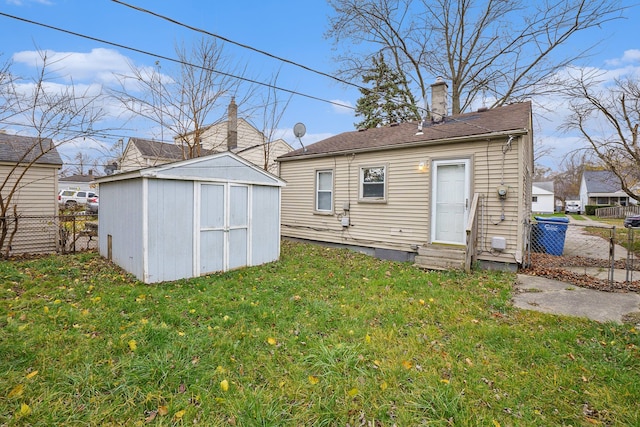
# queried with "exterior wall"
point(170, 230)
point(256, 155)
point(121, 217)
point(215, 137)
point(265, 224)
point(403, 222)
point(132, 159)
point(37, 191)
point(36, 195)
point(545, 203)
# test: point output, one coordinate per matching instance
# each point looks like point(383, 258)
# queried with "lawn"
point(321, 337)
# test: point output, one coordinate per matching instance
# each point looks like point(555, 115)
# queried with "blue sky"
point(291, 29)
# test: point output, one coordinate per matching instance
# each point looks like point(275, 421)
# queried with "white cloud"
point(628, 57)
point(345, 107)
point(22, 3)
point(97, 66)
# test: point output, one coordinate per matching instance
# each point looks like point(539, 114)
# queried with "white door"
point(223, 227)
point(450, 201)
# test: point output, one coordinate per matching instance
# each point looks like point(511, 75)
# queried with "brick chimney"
point(439, 100)
point(232, 125)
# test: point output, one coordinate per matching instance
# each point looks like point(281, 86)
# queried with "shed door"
point(212, 228)
point(238, 226)
point(450, 205)
point(224, 231)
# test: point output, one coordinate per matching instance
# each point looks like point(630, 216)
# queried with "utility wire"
point(244, 46)
point(166, 58)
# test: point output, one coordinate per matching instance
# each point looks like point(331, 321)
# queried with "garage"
point(190, 218)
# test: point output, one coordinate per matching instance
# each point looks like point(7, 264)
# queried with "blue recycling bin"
point(549, 234)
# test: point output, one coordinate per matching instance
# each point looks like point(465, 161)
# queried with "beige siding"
point(215, 136)
point(134, 160)
point(404, 220)
point(257, 154)
point(131, 159)
point(35, 195)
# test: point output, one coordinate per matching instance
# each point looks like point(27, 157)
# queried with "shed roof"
point(510, 118)
point(601, 181)
point(24, 149)
point(218, 167)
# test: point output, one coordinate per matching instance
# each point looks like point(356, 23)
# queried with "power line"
point(242, 45)
point(166, 58)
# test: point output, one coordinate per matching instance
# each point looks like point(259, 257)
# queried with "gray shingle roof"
point(514, 117)
point(601, 181)
point(23, 149)
point(162, 150)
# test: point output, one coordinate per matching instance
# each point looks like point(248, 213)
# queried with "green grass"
point(322, 337)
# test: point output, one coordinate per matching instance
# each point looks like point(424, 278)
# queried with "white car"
point(572, 206)
point(72, 198)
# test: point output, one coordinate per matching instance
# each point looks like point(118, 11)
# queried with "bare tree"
point(608, 119)
point(54, 115)
point(567, 180)
point(272, 109)
point(500, 51)
point(183, 103)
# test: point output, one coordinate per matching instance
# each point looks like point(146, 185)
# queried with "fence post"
point(630, 247)
point(612, 255)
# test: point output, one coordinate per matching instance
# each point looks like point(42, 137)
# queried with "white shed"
point(190, 218)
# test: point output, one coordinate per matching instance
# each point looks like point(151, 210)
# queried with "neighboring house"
point(602, 188)
point(143, 153)
point(78, 182)
point(190, 218)
point(413, 191)
point(35, 194)
point(542, 197)
point(235, 135)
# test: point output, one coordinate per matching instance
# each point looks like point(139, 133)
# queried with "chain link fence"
point(34, 235)
point(585, 253)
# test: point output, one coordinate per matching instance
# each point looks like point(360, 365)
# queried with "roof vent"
point(482, 109)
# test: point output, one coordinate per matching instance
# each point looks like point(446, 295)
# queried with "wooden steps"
point(440, 257)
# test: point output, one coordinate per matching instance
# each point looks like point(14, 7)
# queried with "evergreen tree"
point(388, 101)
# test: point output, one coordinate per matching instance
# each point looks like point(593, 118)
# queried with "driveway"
point(578, 242)
point(557, 297)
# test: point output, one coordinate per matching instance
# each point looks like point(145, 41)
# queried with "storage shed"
point(190, 218)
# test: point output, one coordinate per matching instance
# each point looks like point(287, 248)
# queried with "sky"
point(290, 29)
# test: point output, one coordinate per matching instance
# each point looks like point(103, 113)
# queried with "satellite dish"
point(299, 130)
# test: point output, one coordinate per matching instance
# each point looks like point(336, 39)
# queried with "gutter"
point(494, 135)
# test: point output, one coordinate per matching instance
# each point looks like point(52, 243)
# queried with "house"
point(235, 135)
point(542, 197)
point(32, 196)
point(445, 194)
point(190, 218)
point(143, 153)
point(78, 182)
point(602, 188)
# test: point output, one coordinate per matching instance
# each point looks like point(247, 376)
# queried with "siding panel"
point(404, 220)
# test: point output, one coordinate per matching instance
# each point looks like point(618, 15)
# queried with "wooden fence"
point(618, 211)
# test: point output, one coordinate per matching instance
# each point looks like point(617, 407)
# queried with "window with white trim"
point(324, 191)
point(373, 183)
